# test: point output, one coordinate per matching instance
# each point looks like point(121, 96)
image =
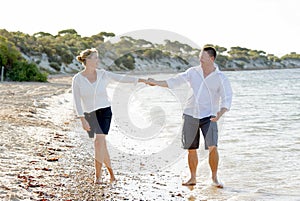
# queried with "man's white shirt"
point(209, 94)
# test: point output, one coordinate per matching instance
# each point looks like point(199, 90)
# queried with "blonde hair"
point(86, 54)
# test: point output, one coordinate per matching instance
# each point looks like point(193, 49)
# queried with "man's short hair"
point(211, 51)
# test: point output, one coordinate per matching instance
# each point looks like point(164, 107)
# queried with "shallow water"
point(259, 141)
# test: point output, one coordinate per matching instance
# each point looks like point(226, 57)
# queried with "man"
point(211, 98)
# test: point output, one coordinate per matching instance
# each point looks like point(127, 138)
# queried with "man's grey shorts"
point(191, 132)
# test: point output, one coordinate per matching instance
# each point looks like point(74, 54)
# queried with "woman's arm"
point(76, 98)
point(121, 78)
point(77, 105)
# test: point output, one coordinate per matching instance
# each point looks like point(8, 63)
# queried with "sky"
point(272, 26)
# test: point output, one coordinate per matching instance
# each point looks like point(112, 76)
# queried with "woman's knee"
point(99, 139)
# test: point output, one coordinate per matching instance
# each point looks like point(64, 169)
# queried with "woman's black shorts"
point(99, 121)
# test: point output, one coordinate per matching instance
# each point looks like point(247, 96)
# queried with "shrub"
point(23, 71)
point(127, 61)
point(55, 65)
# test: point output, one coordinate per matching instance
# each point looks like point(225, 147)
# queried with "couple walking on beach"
point(211, 98)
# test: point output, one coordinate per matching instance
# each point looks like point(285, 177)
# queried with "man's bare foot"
point(217, 184)
point(112, 180)
point(191, 182)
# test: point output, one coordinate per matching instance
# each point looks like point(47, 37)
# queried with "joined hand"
point(151, 82)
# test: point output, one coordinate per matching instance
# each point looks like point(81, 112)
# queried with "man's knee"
point(192, 150)
point(212, 149)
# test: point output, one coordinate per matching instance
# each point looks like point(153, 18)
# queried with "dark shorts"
point(191, 132)
point(99, 121)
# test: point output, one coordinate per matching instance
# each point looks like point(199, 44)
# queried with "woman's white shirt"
point(89, 96)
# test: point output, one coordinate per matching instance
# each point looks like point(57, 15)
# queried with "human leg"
point(104, 117)
point(193, 163)
point(213, 163)
point(190, 141)
point(107, 163)
point(99, 156)
point(210, 133)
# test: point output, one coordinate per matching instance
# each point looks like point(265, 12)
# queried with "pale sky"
point(269, 25)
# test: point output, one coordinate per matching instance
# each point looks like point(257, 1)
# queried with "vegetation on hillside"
point(18, 49)
point(16, 67)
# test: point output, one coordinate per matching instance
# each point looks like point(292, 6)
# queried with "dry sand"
point(32, 142)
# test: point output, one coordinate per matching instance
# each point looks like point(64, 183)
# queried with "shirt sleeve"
point(226, 94)
point(121, 78)
point(76, 98)
point(178, 80)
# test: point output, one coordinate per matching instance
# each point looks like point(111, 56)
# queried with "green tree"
point(67, 31)
point(8, 53)
point(220, 50)
point(42, 34)
point(292, 55)
point(273, 58)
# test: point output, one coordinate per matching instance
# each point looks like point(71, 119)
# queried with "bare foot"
point(217, 184)
point(112, 180)
point(98, 180)
point(191, 182)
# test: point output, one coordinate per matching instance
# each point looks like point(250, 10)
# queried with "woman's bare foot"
point(191, 182)
point(98, 180)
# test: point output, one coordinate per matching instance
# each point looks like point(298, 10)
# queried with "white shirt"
point(207, 92)
point(89, 96)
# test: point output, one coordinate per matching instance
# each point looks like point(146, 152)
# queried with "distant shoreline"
point(258, 68)
point(168, 72)
point(61, 75)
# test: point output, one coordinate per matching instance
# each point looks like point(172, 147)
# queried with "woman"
point(93, 106)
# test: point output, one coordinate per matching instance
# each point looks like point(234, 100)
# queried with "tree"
point(15, 66)
point(67, 31)
point(41, 34)
point(107, 34)
point(292, 55)
point(220, 50)
point(239, 53)
point(8, 53)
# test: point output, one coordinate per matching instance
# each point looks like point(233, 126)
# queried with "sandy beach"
point(42, 159)
point(32, 140)
point(45, 154)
